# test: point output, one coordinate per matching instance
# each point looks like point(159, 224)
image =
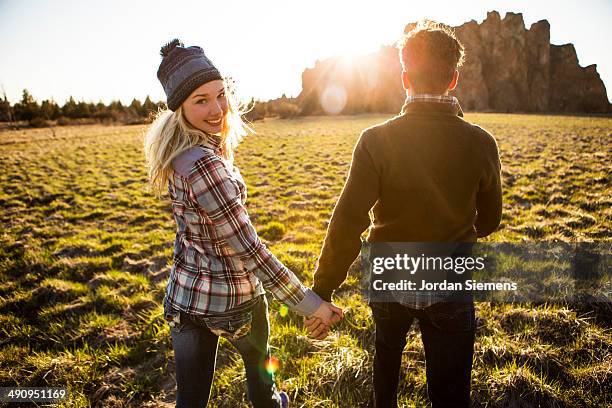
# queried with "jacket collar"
point(432, 104)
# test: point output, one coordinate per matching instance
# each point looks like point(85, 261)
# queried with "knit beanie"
point(182, 70)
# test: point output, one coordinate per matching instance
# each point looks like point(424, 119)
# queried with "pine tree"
point(83, 110)
point(49, 110)
point(69, 109)
point(6, 112)
point(136, 107)
point(27, 108)
point(149, 106)
point(116, 106)
point(100, 107)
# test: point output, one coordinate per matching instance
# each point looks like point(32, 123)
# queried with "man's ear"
point(405, 81)
point(453, 83)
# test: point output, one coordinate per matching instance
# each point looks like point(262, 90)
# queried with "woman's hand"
point(326, 315)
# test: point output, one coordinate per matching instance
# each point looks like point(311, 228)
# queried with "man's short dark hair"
point(430, 53)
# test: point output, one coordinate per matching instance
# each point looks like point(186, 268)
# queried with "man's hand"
point(319, 323)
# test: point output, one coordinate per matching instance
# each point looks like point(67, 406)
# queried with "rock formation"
point(508, 69)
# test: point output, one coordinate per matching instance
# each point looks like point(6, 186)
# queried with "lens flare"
point(272, 365)
point(283, 310)
point(333, 99)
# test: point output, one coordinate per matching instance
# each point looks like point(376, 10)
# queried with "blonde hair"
point(171, 134)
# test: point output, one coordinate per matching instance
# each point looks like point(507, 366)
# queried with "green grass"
point(85, 252)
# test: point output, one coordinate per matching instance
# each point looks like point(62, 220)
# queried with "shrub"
point(287, 110)
point(38, 122)
point(273, 231)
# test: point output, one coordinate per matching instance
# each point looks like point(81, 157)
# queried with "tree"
point(149, 106)
point(50, 110)
point(27, 108)
point(136, 108)
point(100, 107)
point(69, 109)
point(257, 110)
point(83, 110)
point(6, 112)
point(116, 106)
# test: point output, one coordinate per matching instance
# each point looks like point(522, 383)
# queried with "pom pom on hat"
point(165, 50)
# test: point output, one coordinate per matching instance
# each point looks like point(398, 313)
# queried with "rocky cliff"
point(508, 69)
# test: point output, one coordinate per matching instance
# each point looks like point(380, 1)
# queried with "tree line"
point(29, 112)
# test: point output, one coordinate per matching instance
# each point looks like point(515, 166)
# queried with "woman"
point(220, 266)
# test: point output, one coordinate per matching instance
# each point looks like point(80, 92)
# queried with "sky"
point(109, 50)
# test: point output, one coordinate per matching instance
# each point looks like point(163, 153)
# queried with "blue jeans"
point(195, 339)
point(448, 333)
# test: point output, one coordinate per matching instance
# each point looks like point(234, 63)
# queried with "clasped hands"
point(327, 315)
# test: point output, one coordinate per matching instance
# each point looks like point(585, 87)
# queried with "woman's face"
point(206, 107)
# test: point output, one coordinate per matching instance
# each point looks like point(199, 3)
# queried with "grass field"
point(85, 252)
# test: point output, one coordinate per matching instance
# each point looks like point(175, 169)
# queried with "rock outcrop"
point(507, 69)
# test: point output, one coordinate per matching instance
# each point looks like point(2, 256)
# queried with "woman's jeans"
point(447, 331)
point(195, 338)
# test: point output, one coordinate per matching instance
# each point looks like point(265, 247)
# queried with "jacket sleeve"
point(349, 220)
point(217, 194)
point(489, 196)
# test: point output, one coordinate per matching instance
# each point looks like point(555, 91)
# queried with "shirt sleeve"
point(349, 219)
point(218, 195)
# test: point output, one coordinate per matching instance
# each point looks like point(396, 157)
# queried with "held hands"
point(319, 323)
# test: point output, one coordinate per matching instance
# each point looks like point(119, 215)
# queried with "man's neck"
point(414, 93)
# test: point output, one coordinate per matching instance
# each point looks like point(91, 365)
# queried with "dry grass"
point(85, 252)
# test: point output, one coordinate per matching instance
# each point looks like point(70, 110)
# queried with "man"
point(429, 176)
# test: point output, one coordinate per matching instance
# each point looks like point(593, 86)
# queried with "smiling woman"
point(220, 266)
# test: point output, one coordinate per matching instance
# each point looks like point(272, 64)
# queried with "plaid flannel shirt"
point(448, 100)
point(420, 299)
point(416, 299)
point(219, 262)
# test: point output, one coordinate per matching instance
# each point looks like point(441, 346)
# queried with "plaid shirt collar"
point(433, 103)
point(213, 141)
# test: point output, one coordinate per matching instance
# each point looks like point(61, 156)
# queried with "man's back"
point(436, 171)
point(428, 175)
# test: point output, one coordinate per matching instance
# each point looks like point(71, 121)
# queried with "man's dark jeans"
point(447, 330)
point(195, 352)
